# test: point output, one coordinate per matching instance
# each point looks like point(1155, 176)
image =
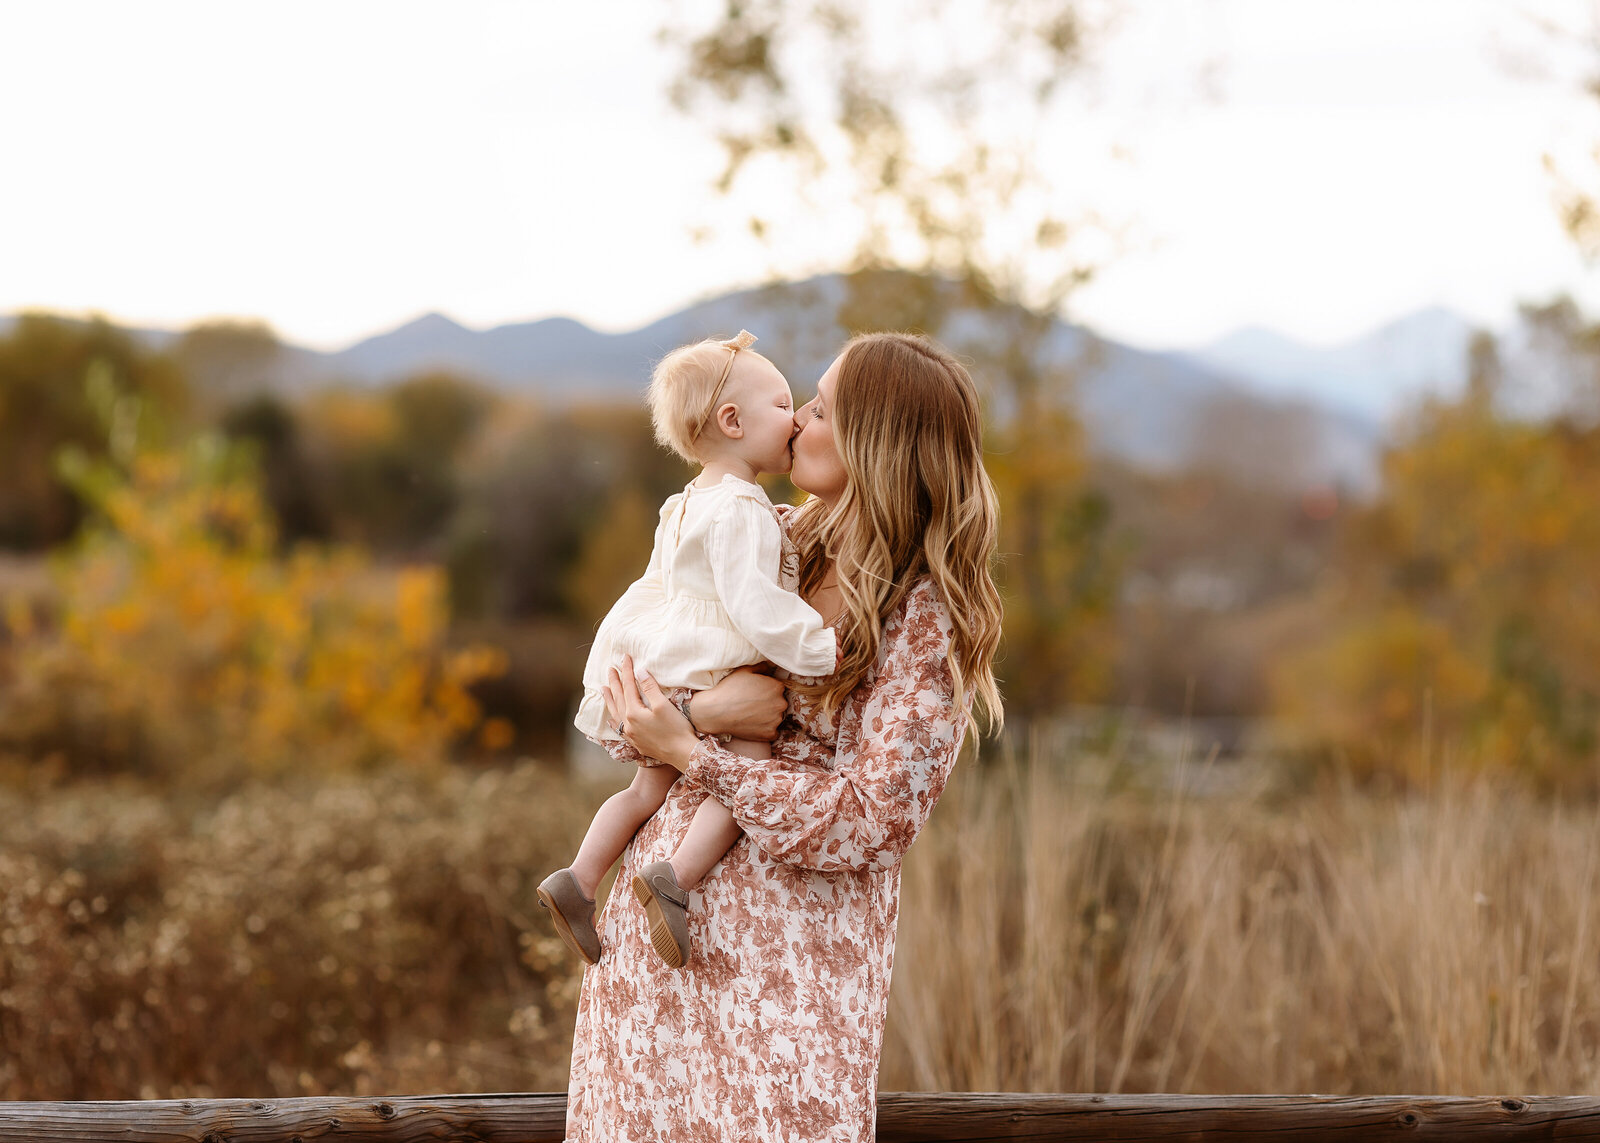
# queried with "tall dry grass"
point(1058, 933)
point(1060, 929)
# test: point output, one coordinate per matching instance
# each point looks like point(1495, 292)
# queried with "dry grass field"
point(1059, 935)
point(1061, 929)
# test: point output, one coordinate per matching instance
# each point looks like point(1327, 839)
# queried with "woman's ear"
point(727, 420)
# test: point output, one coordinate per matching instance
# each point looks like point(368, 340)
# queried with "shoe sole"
point(563, 930)
point(661, 938)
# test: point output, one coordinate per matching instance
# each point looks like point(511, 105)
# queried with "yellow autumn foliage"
point(1469, 611)
point(184, 643)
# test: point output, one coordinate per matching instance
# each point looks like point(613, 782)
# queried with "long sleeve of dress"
point(890, 765)
point(745, 551)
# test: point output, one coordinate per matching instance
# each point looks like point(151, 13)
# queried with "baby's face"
point(766, 413)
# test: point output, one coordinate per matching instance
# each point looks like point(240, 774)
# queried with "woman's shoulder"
point(918, 628)
point(913, 663)
point(923, 604)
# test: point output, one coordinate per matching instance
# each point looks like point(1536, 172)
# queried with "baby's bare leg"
point(617, 821)
point(713, 830)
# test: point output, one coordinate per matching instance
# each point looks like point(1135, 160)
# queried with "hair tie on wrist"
point(683, 709)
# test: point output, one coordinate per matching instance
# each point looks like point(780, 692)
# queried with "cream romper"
point(710, 600)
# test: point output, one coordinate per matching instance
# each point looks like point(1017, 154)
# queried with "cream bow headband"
point(733, 345)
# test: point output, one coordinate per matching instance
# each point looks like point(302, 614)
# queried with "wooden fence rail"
point(903, 1117)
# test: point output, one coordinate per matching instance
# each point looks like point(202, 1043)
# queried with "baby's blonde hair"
point(684, 387)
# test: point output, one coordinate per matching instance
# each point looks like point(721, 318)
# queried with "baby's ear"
point(727, 420)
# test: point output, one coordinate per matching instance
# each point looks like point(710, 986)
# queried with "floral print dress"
point(771, 1031)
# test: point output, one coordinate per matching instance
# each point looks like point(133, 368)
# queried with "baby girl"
point(709, 601)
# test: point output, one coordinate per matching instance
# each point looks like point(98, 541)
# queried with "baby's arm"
point(745, 547)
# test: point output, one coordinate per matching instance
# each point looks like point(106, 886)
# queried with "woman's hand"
point(643, 716)
point(746, 704)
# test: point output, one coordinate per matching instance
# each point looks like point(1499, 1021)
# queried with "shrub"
point(182, 643)
point(351, 934)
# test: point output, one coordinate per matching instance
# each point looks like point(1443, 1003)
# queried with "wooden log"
point(903, 1117)
point(952, 1117)
point(382, 1119)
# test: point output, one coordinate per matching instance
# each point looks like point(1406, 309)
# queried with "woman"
point(772, 1029)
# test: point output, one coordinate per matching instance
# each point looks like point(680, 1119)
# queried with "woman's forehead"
point(825, 384)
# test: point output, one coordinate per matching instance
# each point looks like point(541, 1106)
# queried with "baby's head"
point(719, 399)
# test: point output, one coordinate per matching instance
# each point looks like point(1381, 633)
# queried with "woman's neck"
point(826, 598)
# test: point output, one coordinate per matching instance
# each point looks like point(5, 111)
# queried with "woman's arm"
point(896, 746)
point(747, 703)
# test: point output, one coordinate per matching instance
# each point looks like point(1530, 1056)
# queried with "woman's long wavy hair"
point(917, 502)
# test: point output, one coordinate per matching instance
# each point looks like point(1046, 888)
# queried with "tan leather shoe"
point(667, 907)
point(572, 912)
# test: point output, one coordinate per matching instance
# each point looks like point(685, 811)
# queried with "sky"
point(338, 167)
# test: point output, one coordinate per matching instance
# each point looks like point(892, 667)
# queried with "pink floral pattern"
point(772, 1029)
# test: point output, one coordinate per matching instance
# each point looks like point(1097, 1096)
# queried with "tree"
point(559, 512)
point(923, 152)
point(230, 362)
point(272, 427)
point(1467, 611)
point(184, 642)
point(385, 463)
point(917, 132)
point(46, 404)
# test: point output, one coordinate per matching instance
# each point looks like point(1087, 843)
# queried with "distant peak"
point(1433, 317)
point(1252, 337)
point(434, 322)
point(549, 323)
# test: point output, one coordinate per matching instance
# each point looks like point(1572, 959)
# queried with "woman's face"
point(817, 467)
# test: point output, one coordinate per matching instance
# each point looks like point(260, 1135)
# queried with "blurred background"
point(323, 336)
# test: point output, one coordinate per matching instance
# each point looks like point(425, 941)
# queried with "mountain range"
point(1149, 408)
point(1372, 375)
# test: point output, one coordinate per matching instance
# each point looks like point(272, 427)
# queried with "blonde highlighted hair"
point(684, 387)
point(917, 502)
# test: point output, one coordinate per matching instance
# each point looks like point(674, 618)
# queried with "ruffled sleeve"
point(899, 735)
point(745, 548)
